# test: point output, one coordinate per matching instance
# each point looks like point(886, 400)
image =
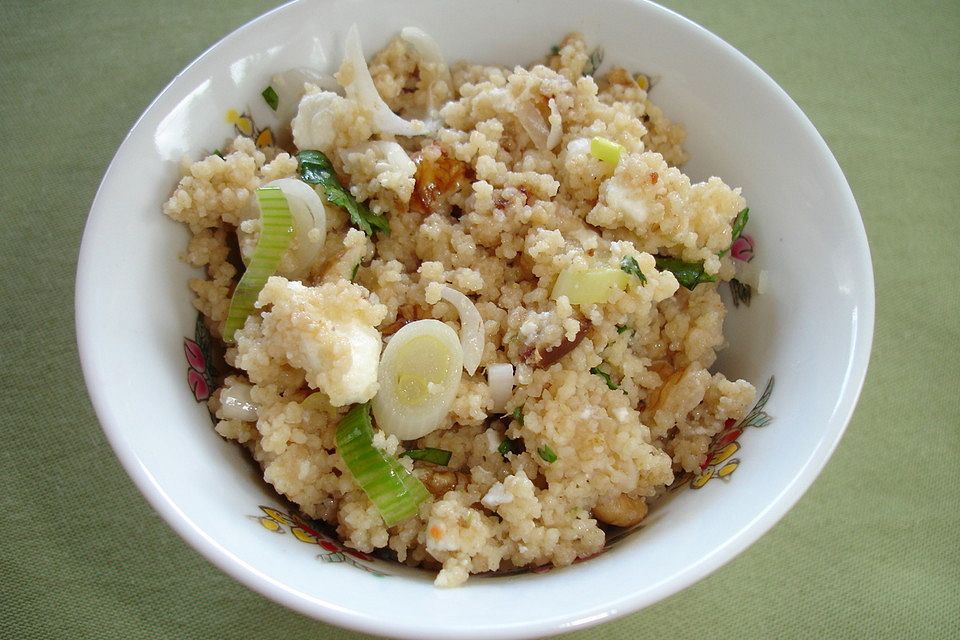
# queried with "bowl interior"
point(811, 330)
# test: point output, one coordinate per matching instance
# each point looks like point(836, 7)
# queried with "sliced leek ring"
point(500, 379)
point(419, 376)
point(471, 328)
point(274, 240)
point(394, 491)
point(308, 213)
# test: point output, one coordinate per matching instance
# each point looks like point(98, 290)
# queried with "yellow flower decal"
point(244, 125)
point(303, 536)
point(270, 524)
point(720, 462)
point(265, 138)
point(279, 516)
point(719, 466)
point(242, 122)
point(331, 550)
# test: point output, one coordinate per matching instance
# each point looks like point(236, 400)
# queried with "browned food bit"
point(621, 511)
point(405, 314)
point(656, 398)
point(438, 175)
point(542, 103)
point(440, 482)
point(541, 360)
point(393, 327)
point(619, 75)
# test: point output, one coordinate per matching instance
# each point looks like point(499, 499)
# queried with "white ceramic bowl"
point(812, 330)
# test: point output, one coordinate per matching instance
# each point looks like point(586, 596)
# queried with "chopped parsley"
point(518, 414)
point(623, 328)
point(629, 265)
point(271, 97)
point(316, 168)
point(353, 272)
point(689, 274)
point(509, 445)
point(547, 454)
point(597, 371)
point(429, 454)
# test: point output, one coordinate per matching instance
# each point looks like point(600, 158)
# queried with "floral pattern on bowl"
point(278, 521)
point(200, 372)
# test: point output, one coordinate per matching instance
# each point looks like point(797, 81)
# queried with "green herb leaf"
point(738, 225)
point(547, 454)
point(518, 414)
point(271, 97)
point(316, 168)
point(597, 371)
point(429, 454)
point(509, 445)
point(353, 272)
point(555, 49)
point(218, 153)
point(622, 328)
point(629, 265)
point(689, 274)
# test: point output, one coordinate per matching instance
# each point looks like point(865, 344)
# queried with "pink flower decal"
point(201, 375)
point(198, 384)
point(742, 248)
point(194, 355)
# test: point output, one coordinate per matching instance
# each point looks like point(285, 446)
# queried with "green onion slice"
point(606, 150)
point(547, 454)
point(394, 491)
point(429, 454)
point(689, 274)
point(275, 236)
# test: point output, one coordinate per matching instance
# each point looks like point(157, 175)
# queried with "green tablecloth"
point(872, 550)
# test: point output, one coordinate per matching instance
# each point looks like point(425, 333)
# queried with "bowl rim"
point(331, 613)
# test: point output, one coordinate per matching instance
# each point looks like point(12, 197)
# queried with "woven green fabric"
point(872, 550)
